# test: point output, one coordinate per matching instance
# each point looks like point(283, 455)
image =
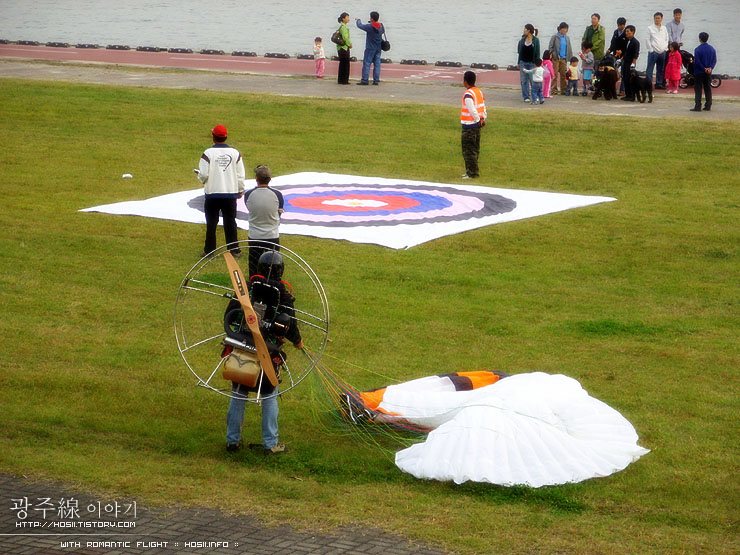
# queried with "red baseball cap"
point(219, 131)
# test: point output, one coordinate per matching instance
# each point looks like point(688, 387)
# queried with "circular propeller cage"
point(201, 303)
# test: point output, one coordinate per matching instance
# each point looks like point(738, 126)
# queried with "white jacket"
point(657, 40)
point(222, 171)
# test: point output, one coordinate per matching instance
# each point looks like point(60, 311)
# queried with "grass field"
point(637, 299)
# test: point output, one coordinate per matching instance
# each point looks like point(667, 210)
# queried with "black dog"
point(607, 79)
point(641, 87)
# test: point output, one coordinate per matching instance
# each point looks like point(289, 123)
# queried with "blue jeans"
point(235, 417)
point(657, 61)
point(526, 79)
point(537, 92)
point(371, 57)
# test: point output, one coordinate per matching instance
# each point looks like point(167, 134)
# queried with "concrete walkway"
point(30, 522)
point(426, 92)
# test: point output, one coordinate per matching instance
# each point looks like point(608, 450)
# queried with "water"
point(464, 30)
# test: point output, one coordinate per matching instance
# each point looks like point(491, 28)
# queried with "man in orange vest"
point(472, 118)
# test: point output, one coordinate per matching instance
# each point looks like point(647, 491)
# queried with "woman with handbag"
point(343, 49)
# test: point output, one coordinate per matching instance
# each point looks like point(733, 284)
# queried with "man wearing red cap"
point(221, 170)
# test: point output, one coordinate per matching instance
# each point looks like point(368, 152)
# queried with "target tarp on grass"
point(394, 213)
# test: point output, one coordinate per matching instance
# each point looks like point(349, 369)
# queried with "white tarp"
point(394, 213)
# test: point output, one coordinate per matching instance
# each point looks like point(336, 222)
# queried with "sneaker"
point(363, 83)
point(203, 254)
point(466, 176)
point(275, 449)
point(527, 100)
point(233, 447)
point(535, 102)
point(376, 83)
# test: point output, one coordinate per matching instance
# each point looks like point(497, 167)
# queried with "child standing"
point(587, 66)
point(549, 74)
point(318, 55)
point(572, 75)
point(673, 68)
point(538, 76)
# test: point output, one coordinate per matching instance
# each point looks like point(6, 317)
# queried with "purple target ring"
point(350, 205)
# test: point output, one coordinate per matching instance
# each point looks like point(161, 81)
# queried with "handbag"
point(385, 45)
point(336, 38)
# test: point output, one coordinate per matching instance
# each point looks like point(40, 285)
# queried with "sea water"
point(466, 31)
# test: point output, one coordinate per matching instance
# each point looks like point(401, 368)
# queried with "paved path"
point(422, 84)
point(88, 524)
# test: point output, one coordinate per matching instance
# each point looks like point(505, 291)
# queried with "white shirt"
point(657, 40)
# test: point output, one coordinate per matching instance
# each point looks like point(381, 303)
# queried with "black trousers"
point(471, 150)
point(702, 81)
point(626, 81)
point(255, 251)
point(226, 207)
point(343, 72)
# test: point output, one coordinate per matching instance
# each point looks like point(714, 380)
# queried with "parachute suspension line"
point(339, 409)
point(388, 379)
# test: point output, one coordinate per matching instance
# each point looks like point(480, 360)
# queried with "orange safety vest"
point(466, 118)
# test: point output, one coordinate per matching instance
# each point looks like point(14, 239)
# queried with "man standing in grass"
point(265, 205)
point(472, 117)
point(221, 171)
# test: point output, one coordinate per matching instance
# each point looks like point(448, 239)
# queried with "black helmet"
point(271, 265)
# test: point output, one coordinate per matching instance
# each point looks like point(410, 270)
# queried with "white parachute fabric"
point(529, 429)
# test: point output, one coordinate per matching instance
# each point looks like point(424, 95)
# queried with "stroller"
point(687, 78)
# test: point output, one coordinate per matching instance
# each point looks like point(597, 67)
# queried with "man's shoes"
point(363, 83)
point(695, 109)
point(376, 82)
point(203, 254)
point(233, 447)
point(660, 87)
point(628, 98)
point(278, 448)
point(707, 108)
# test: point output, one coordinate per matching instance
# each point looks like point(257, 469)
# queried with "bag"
point(336, 38)
point(385, 46)
point(242, 367)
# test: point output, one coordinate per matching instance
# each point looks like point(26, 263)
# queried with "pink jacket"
point(549, 71)
point(673, 66)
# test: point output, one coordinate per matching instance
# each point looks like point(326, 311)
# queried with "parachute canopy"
point(530, 429)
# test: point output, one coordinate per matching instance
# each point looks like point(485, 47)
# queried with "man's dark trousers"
point(214, 206)
point(256, 250)
point(471, 150)
point(703, 81)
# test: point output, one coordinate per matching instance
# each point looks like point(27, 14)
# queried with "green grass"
point(637, 299)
